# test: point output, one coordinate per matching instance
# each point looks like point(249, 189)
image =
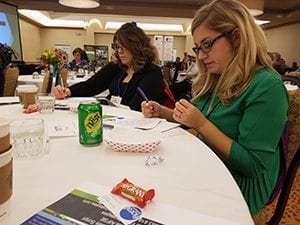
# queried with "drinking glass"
point(45, 103)
point(27, 137)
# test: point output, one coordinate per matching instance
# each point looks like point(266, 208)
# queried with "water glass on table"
point(45, 103)
point(27, 137)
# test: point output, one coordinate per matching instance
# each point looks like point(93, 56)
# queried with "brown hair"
point(138, 43)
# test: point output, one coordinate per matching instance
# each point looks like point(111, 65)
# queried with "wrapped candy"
point(133, 193)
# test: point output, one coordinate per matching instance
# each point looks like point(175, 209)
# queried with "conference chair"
point(284, 204)
point(47, 83)
point(10, 80)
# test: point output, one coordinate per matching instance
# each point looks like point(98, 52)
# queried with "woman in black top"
point(135, 68)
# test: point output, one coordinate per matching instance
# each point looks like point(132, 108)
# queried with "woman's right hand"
point(151, 109)
point(60, 92)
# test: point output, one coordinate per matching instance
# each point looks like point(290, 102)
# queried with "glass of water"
point(46, 103)
point(27, 137)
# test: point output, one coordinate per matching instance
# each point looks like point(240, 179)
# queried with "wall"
point(107, 39)
point(35, 40)
point(73, 37)
point(31, 41)
point(285, 41)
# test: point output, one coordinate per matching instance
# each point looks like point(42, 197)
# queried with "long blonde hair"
point(225, 16)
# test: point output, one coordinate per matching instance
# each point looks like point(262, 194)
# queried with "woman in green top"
point(240, 102)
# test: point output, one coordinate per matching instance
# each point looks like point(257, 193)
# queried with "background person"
point(134, 68)
point(80, 60)
point(234, 98)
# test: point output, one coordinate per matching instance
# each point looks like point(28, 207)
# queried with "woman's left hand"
point(187, 114)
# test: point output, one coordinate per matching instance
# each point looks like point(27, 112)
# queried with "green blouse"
point(255, 121)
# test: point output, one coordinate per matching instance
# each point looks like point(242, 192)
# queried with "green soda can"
point(90, 123)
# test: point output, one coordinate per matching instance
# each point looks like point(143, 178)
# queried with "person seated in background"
point(279, 63)
point(192, 69)
point(294, 67)
point(135, 68)
point(43, 64)
point(80, 60)
point(234, 96)
point(177, 65)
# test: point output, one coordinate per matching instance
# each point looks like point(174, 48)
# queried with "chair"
point(292, 159)
point(168, 97)
point(64, 75)
point(47, 83)
point(10, 80)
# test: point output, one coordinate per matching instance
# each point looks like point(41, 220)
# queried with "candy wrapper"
point(154, 160)
point(133, 193)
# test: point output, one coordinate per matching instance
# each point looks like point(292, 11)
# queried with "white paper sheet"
point(9, 100)
point(62, 128)
point(162, 213)
point(140, 123)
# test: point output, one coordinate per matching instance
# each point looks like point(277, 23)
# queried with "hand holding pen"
point(149, 108)
point(61, 92)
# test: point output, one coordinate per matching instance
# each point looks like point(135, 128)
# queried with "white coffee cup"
point(4, 135)
point(5, 182)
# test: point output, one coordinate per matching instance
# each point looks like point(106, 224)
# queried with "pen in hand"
point(142, 94)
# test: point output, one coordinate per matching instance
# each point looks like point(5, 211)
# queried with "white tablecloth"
point(191, 176)
point(28, 79)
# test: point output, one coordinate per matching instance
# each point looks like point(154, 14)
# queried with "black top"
point(149, 79)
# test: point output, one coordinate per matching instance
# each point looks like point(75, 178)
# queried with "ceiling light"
point(147, 26)
point(44, 19)
point(256, 7)
point(86, 4)
point(94, 23)
point(261, 22)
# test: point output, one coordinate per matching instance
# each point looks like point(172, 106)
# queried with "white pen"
point(62, 82)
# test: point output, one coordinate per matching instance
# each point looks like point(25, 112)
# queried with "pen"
point(142, 94)
point(62, 82)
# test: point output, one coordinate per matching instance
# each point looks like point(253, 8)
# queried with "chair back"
point(291, 156)
point(168, 98)
point(64, 75)
point(294, 119)
point(47, 83)
point(11, 75)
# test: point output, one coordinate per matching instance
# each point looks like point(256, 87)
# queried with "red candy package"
point(133, 193)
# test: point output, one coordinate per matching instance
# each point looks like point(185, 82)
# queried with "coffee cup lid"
point(27, 88)
point(4, 122)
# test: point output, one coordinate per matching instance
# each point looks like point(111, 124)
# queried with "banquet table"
point(28, 79)
point(191, 176)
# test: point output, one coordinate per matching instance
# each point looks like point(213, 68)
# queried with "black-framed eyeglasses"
point(207, 45)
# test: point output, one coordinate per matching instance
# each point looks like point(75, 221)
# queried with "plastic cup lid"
point(4, 122)
point(27, 88)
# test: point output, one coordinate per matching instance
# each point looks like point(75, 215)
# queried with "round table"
point(28, 79)
point(191, 177)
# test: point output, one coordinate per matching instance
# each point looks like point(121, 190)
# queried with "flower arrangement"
point(57, 57)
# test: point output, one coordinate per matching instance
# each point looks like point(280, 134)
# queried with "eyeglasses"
point(207, 45)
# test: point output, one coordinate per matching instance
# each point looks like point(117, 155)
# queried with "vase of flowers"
point(56, 60)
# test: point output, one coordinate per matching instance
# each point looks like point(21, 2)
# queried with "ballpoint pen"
point(142, 94)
